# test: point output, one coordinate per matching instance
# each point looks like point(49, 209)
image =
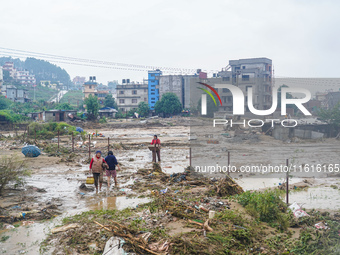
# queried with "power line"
point(91, 62)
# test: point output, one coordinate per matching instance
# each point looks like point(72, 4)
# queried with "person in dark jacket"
point(111, 171)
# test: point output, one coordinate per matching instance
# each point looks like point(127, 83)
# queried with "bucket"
point(89, 180)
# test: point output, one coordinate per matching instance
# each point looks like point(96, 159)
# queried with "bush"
point(12, 170)
point(11, 116)
point(50, 130)
point(103, 120)
point(267, 206)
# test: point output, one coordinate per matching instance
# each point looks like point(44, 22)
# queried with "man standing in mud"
point(97, 165)
point(156, 150)
point(112, 162)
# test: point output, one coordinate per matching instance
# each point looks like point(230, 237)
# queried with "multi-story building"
point(184, 86)
point(78, 81)
point(17, 95)
point(90, 87)
point(130, 95)
point(255, 73)
point(24, 77)
point(9, 66)
point(153, 92)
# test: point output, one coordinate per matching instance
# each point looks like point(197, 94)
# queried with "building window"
point(90, 87)
point(224, 90)
point(245, 77)
point(134, 101)
point(226, 79)
point(122, 101)
point(145, 90)
point(152, 102)
point(122, 109)
point(153, 93)
point(121, 92)
point(145, 99)
point(243, 67)
point(134, 92)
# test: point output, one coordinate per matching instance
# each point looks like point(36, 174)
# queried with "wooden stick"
point(206, 226)
point(102, 226)
point(194, 222)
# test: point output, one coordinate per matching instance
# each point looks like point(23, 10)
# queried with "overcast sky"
point(301, 37)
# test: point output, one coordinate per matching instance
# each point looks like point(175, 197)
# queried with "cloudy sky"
point(301, 37)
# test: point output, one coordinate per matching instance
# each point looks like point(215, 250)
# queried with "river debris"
point(64, 228)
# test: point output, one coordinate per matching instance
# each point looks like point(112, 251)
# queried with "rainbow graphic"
point(209, 93)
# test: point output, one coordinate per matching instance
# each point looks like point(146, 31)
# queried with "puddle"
point(261, 183)
point(318, 197)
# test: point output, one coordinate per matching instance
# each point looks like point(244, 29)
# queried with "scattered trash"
point(65, 228)
point(211, 214)
point(163, 191)
point(297, 212)
point(16, 207)
point(321, 225)
point(114, 246)
point(26, 223)
point(9, 226)
point(85, 188)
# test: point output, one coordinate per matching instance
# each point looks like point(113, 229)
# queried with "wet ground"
point(62, 181)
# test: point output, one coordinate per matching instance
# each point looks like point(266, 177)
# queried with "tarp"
point(31, 151)
point(79, 129)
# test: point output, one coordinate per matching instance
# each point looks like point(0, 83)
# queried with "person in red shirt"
point(157, 143)
point(97, 166)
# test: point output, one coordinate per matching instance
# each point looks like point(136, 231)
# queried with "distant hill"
point(43, 70)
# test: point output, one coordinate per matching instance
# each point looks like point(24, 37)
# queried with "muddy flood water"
point(62, 182)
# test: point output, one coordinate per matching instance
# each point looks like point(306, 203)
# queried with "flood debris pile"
point(187, 221)
point(227, 187)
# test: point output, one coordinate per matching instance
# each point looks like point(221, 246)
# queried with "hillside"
point(43, 70)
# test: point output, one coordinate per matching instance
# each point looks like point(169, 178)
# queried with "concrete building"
point(24, 76)
point(78, 81)
point(130, 95)
point(255, 73)
point(173, 84)
point(55, 115)
point(17, 95)
point(184, 86)
point(107, 112)
point(9, 66)
point(153, 92)
point(90, 87)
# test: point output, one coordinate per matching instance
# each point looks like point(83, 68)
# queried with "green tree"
point(110, 101)
point(64, 106)
point(168, 105)
point(211, 107)
point(4, 103)
point(143, 109)
point(92, 105)
point(332, 117)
